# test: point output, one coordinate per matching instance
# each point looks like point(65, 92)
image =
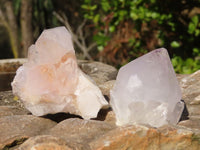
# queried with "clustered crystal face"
point(147, 91)
point(51, 81)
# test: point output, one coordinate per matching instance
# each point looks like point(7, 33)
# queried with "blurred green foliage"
point(127, 29)
point(174, 25)
point(186, 66)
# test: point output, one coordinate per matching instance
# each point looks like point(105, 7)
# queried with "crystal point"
point(147, 91)
point(51, 82)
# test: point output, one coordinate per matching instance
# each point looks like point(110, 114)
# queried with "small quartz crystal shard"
point(51, 82)
point(147, 91)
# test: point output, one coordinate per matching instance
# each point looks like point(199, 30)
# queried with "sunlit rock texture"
point(51, 81)
point(147, 91)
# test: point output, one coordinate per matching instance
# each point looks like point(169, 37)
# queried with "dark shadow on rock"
point(185, 113)
point(58, 117)
point(15, 144)
point(107, 98)
point(102, 114)
point(5, 79)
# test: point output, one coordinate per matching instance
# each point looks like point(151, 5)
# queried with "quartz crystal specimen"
point(50, 81)
point(147, 91)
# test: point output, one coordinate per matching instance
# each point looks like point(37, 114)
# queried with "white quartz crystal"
point(147, 91)
point(51, 82)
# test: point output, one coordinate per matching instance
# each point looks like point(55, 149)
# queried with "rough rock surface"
point(191, 123)
point(12, 110)
point(105, 87)
point(7, 99)
point(98, 71)
point(191, 93)
point(146, 138)
point(20, 127)
point(44, 142)
point(27, 132)
point(78, 133)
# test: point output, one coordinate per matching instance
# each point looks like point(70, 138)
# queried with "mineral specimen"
point(51, 81)
point(147, 91)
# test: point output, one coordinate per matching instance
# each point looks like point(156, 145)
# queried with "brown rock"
point(194, 110)
point(98, 71)
point(18, 127)
point(191, 87)
point(12, 110)
point(181, 76)
point(7, 99)
point(7, 72)
point(192, 123)
point(44, 142)
point(145, 138)
point(106, 87)
point(11, 65)
point(110, 117)
point(191, 92)
point(78, 133)
point(106, 115)
point(9, 105)
point(99, 135)
point(191, 79)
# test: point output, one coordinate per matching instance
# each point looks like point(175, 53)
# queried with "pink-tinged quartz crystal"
point(50, 81)
point(147, 91)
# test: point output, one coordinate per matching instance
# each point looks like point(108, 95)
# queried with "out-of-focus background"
point(114, 32)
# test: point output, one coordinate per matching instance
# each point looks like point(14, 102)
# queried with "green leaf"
point(132, 41)
point(186, 70)
point(172, 24)
point(101, 39)
point(96, 18)
point(189, 61)
point(100, 48)
point(174, 61)
point(175, 44)
point(154, 15)
point(122, 14)
point(85, 7)
point(133, 15)
point(88, 16)
point(195, 20)
point(191, 28)
point(93, 7)
point(105, 5)
point(196, 51)
point(122, 1)
point(112, 28)
point(197, 32)
point(87, 1)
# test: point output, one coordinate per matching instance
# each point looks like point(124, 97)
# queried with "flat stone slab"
point(143, 137)
point(27, 132)
point(192, 123)
point(12, 110)
point(20, 127)
point(78, 133)
point(7, 99)
point(98, 71)
point(190, 86)
point(44, 142)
